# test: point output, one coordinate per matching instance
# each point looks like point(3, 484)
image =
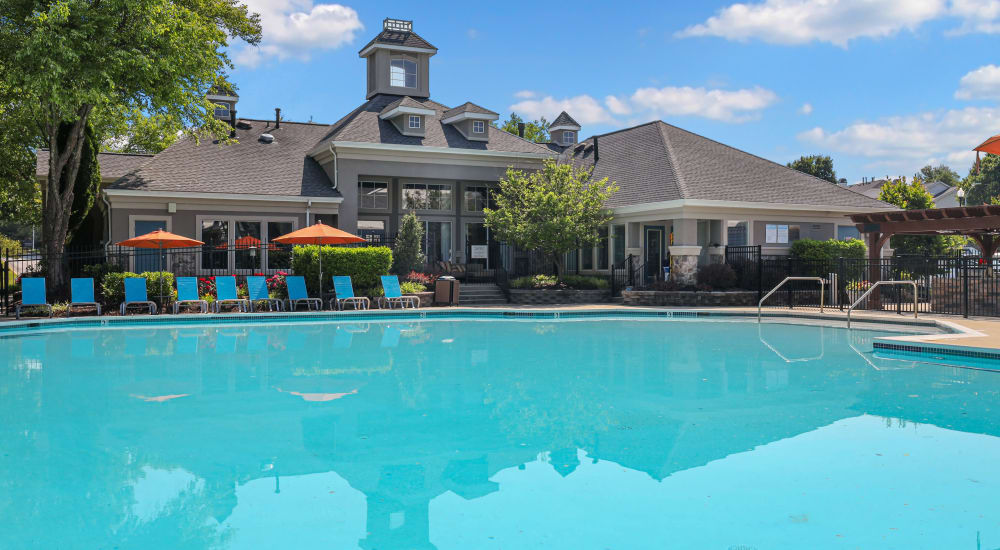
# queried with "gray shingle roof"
point(564, 120)
point(113, 165)
point(657, 162)
point(248, 166)
point(468, 107)
point(873, 188)
point(363, 125)
point(405, 101)
point(399, 38)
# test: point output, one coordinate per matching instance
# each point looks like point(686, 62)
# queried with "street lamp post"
point(961, 196)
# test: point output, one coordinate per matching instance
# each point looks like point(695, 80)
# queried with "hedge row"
point(363, 265)
point(809, 249)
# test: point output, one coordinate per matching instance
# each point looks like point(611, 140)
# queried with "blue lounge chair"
point(82, 294)
point(187, 294)
point(393, 294)
point(225, 294)
point(344, 290)
point(33, 295)
point(297, 294)
point(135, 295)
point(257, 291)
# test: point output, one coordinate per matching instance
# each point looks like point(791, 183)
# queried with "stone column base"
point(684, 264)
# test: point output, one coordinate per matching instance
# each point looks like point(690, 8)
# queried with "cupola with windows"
point(564, 131)
point(224, 99)
point(398, 61)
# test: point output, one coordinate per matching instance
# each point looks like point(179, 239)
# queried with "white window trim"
point(132, 218)
point(388, 189)
point(231, 240)
point(566, 137)
point(411, 120)
point(479, 124)
point(416, 71)
point(402, 200)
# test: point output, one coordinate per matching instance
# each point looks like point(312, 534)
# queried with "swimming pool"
point(490, 433)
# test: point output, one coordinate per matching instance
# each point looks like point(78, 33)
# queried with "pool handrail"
point(876, 285)
point(822, 291)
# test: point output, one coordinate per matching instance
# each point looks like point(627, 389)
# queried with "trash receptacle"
point(446, 291)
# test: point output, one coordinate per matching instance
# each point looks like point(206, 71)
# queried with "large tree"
point(553, 210)
point(535, 130)
point(65, 61)
point(940, 173)
point(983, 186)
point(912, 195)
point(820, 166)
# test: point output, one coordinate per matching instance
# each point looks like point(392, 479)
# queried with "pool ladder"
point(876, 285)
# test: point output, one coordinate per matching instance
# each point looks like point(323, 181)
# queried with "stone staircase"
point(481, 294)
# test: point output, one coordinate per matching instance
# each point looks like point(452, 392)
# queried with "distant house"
point(683, 196)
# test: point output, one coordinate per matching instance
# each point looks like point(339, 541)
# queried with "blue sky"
point(884, 87)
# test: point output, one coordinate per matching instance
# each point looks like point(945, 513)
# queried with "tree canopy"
point(983, 187)
point(553, 210)
point(940, 173)
point(71, 61)
point(816, 165)
point(535, 130)
point(912, 195)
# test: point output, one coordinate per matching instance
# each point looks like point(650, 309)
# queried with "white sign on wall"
point(480, 251)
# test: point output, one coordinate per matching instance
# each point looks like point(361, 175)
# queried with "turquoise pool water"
point(491, 434)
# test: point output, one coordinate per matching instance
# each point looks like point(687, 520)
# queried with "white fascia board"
point(212, 97)
point(564, 127)
point(421, 150)
point(469, 116)
point(220, 196)
point(373, 47)
point(742, 205)
point(403, 110)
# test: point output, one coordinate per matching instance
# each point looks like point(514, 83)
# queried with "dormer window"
point(403, 72)
point(569, 137)
point(222, 111)
point(415, 121)
point(478, 127)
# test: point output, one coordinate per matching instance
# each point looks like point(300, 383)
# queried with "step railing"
point(822, 291)
point(878, 284)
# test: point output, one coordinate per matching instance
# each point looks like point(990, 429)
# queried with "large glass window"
point(248, 245)
point(373, 194)
point(587, 258)
point(278, 256)
point(437, 241)
point(403, 73)
point(737, 233)
point(215, 251)
point(603, 251)
point(618, 243)
point(427, 196)
point(477, 198)
point(845, 232)
point(780, 233)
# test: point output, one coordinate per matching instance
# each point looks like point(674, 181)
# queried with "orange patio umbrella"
point(319, 233)
point(160, 239)
point(990, 146)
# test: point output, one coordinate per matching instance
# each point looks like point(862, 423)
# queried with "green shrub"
point(98, 272)
point(363, 265)
point(407, 253)
point(113, 286)
point(9, 245)
point(717, 276)
point(534, 281)
point(810, 249)
point(409, 287)
point(582, 282)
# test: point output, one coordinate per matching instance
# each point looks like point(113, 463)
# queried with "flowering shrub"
point(206, 285)
point(421, 278)
point(276, 286)
point(855, 286)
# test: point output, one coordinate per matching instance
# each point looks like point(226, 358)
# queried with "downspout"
point(107, 205)
point(308, 204)
point(334, 153)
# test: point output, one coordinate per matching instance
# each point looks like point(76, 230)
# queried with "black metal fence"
point(951, 285)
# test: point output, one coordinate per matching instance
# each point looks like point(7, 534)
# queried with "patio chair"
point(393, 294)
point(344, 290)
point(297, 294)
point(257, 292)
point(225, 294)
point(82, 294)
point(135, 295)
point(187, 294)
point(32, 295)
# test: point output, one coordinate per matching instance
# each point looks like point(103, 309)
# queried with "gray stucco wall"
point(184, 222)
point(807, 230)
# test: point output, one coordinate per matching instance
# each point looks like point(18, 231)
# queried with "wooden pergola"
point(980, 223)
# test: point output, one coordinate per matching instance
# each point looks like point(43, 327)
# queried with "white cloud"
point(297, 28)
point(792, 22)
point(977, 15)
point(525, 94)
point(806, 109)
point(982, 83)
point(729, 106)
point(911, 141)
point(617, 106)
point(583, 108)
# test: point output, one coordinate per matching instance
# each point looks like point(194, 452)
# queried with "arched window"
point(403, 73)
